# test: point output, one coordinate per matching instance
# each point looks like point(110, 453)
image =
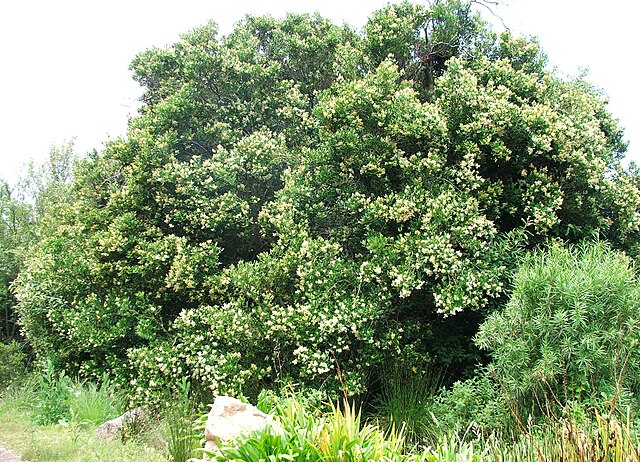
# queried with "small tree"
point(570, 330)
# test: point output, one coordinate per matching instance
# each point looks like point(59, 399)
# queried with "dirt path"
point(7, 456)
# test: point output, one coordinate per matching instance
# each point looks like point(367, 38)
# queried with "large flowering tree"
point(301, 202)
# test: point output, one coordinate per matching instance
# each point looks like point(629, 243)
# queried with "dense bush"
point(12, 363)
point(476, 404)
point(570, 331)
point(282, 214)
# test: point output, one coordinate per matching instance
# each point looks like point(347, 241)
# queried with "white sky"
point(65, 74)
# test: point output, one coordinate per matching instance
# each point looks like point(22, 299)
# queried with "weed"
point(52, 396)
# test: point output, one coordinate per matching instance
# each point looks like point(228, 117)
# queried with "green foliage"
point(16, 233)
point(453, 448)
point(178, 422)
point(570, 330)
point(421, 39)
point(300, 203)
point(296, 442)
point(46, 187)
point(12, 363)
point(339, 436)
point(609, 439)
point(406, 402)
point(53, 396)
point(345, 437)
point(476, 403)
point(273, 329)
point(92, 405)
point(70, 442)
point(61, 399)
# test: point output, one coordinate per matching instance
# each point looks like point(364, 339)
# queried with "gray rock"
point(112, 429)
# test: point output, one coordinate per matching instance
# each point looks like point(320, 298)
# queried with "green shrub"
point(278, 327)
point(475, 403)
point(570, 332)
point(12, 363)
point(279, 214)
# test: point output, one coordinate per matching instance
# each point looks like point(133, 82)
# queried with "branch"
point(493, 3)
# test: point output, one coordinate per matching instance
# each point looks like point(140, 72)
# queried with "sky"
point(64, 71)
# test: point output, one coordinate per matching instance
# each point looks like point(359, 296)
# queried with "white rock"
point(229, 418)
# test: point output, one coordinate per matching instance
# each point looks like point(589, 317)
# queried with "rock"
point(229, 418)
point(112, 430)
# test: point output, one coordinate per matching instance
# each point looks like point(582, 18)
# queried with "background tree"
point(16, 232)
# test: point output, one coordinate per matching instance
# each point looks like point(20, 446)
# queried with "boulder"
point(112, 430)
point(229, 418)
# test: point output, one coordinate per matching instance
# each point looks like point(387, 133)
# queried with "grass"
point(91, 404)
point(178, 420)
point(303, 434)
point(405, 401)
point(73, 442)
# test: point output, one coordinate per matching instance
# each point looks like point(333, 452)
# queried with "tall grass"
point(405, 401)
point(609, 440)
point(91, 404)
point(62, 398)
point(71, 442)
point(345, 437)
point(178, 425)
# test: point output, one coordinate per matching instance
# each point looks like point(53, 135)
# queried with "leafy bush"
point(476, 403)
point(278, 214)
point(12, 363)
point(54, 390)
point(571, 330)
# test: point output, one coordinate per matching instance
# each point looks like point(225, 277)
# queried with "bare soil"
point(8, 456)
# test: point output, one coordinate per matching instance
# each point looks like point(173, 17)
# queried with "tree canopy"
point(298, 201)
